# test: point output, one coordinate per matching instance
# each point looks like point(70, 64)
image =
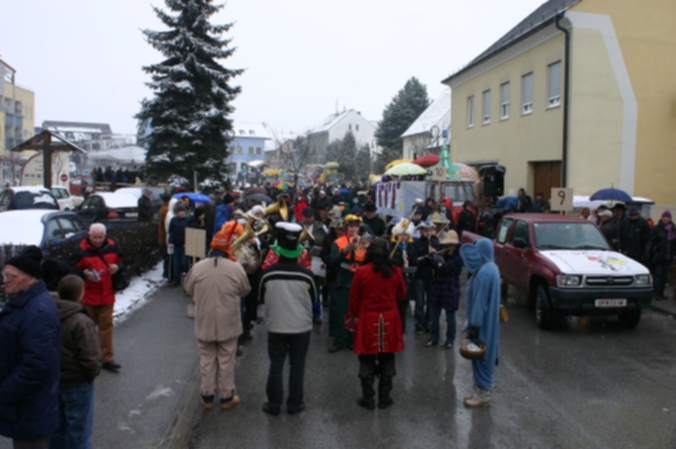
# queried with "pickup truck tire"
point(544, 315)
point(630, 319)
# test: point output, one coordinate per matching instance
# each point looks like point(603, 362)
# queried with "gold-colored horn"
point(280, 207)
point(267, 228)
point(305, 236)
point(248, 235)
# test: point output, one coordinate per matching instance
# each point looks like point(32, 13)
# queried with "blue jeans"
point(435, 315)
point(661, 275)
point(296, 345)
point(423, 290)
point(179, 264)
point(317, 306)
point(76, 418)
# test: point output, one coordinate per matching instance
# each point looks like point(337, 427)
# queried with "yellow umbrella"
point(406, 169)
point(397, 162)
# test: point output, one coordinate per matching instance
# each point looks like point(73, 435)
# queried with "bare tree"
point(295, 155)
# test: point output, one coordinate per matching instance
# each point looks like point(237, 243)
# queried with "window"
point(504, 227)
point(68, 226)
point(504, 101)
point(53, 230)
point(240, 150)
point(356, 127)
point(554, 85)
point(349, 126)
point(470, 111)
point(259, 150)
point(251, 150)
point(486, 111)
point(527, 94)
point(241, 131)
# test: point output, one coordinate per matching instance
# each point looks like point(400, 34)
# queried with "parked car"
point(567, 267)
point(115, 210)
point(63, 198)
point(136, 192)
point(27, 197)
point(40, 227)
point(78, 184)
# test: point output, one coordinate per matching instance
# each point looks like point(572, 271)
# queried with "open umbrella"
point(397, 162)
point(427, 160)
point(331, 165)
point(611, 194)
point(251, 190)
point(195, 197)
point(259, 197)
point(406, 169)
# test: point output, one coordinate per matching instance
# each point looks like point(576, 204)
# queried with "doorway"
point(545, 176)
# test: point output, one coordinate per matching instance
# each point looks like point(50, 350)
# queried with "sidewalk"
point(144, 403)
point(667, 306)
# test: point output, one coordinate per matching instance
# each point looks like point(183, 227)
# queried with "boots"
point(657, 292)
point(482, 398)
point(384, 390)
point(367, 393)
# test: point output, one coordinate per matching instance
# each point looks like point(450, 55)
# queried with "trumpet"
point(280, 207)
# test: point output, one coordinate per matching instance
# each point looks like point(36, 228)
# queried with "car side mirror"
point(520, 243)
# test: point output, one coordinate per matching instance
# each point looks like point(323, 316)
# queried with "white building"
point(336, 125)
point(430, 129)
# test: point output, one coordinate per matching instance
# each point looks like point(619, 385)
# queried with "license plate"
point(131, 214)
point(607, 303)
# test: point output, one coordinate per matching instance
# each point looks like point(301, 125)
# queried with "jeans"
point(296, 345)
point(661, 274)
point(435, 315)
point(423, 290)
point(76, 418)
point(317, 306)
point(179, 264)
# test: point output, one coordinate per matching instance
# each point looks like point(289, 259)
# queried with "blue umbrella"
point(195, 197)
point(611, 194)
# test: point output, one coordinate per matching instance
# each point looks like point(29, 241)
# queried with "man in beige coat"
point(216, 285)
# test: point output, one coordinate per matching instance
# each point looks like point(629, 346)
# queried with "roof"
point(118, 199)
point(77, 127)
point(538, 19)
point(35, 189)
point(249, 130)
point(58, 143)
point(438, 114)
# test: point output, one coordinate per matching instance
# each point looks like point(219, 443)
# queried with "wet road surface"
point(590, 383)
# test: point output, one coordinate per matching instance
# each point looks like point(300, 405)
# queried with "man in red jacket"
point(96, 260)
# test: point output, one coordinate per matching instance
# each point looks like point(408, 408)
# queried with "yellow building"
point(616, 124)
point(17, 118)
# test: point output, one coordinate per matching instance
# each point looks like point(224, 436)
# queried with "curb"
point(184, 415)
point(671, 311)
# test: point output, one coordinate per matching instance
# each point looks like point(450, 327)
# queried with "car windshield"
point(568, 235)
point(459, 193)
point(34, 200)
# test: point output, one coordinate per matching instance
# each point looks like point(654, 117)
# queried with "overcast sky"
point(303, 58)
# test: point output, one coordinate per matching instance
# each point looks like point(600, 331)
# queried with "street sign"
point(64, 177)
point(438, 173)
point(561, 199)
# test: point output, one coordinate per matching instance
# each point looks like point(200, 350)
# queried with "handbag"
point(504, 316)
point(119, 280)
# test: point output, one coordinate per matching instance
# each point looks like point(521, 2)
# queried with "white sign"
point(439, 173)
point(561, 199)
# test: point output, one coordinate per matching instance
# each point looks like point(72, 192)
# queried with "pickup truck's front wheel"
point(544, 315)
point(630, 319)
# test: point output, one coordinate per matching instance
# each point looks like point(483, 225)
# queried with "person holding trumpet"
point(403, 255)
point(347, 254)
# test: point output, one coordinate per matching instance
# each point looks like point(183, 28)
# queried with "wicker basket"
point(471, 355)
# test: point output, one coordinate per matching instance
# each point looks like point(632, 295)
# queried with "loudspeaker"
point(492, 180)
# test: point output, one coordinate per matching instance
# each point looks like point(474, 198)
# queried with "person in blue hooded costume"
point(482, 305)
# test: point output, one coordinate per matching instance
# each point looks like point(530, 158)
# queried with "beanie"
point(28, 261)
point(666, 213)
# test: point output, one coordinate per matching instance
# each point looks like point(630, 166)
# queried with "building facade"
point(248, 145)
point(615, 126)
point(429, 131)
point(335, 126)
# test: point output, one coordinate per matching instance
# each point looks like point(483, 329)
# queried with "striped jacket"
point(288, 291)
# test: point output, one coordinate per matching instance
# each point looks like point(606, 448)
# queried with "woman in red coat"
point(373, 313)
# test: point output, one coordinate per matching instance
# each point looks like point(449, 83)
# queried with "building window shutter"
point(504, 101)
point(527, 94)
point(486, 112)
point(554, 85)
point(470, 111)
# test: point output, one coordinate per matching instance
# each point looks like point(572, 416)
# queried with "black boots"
point(384, 390)
point(367, 393)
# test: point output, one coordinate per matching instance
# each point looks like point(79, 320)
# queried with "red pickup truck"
point(567, 267)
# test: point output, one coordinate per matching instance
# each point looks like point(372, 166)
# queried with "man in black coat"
point(145, 206)
point(466, 219)
point(425, 246)
point(633, 235)
point(373, 221)
point(539, 205)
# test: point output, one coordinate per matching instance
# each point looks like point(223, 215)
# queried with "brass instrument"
point(280, 207)
point(305, 236)
point(243, 252)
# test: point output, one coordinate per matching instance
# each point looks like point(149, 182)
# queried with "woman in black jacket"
point(659, 252)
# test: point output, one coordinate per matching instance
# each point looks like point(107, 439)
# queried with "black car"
point(27, 197)
point(115, 210)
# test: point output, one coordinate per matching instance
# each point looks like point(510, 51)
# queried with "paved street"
point(588, 384)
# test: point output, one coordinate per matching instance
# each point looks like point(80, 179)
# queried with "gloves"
point(473, 333)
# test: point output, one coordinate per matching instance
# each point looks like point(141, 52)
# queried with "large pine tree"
point(404, 109)
point(192, 96)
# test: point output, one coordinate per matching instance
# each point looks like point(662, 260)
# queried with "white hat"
point(400, 229)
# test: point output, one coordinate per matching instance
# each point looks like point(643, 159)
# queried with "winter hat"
point(419, 211)
point(308, 212)
point(369, 207)
point(230, 231)
point(28, 261)
point(605, 213)
point(356, 209)
point(53, 271)
point(180, 207)
point(227, 199)
point(633, 210)
point(287, 239)
point(666, 213)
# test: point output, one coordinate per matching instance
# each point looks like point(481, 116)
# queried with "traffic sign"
point(64, 177)
point(561, 199)
point(438, 173)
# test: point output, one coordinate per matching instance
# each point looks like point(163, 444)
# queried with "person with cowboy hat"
point(347, 254)
point(445, 289)
point(288, 290)
point(404, 256)
point(425, 246)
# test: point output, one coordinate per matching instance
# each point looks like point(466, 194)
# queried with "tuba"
point(280, 207)
point(245, 253)
point(305, 236)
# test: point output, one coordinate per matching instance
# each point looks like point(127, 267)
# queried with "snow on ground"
point(140, 290)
